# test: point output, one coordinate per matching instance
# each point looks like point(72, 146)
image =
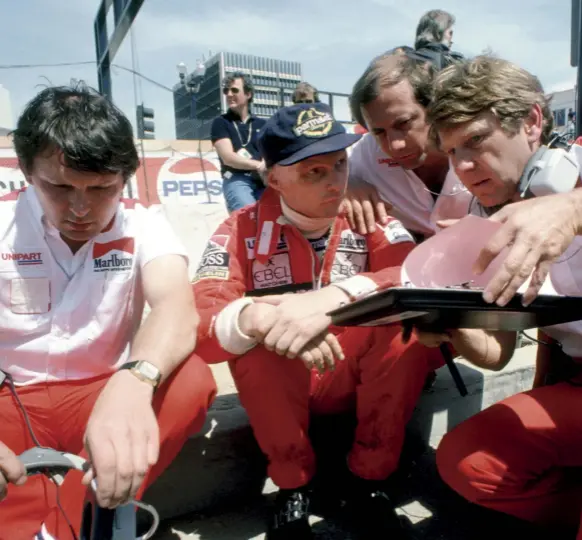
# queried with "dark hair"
point(305, 91)
point(432, 27)
point(387, 70)
point(92, 133)
point(248, 87)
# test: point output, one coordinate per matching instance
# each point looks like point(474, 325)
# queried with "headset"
point(550, 170)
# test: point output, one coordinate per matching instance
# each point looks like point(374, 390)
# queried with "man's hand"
point(256, 319)
point(432, 339)
point(322, 352)
point(364, 207)
point(300, 318)
point(538, 231)
point(122, 439)
point(11, 470)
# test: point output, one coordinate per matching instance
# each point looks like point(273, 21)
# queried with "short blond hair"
point(467, 89)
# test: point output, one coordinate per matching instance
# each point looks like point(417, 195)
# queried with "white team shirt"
point(66, 316)
point(565, 278)
point(412, 202)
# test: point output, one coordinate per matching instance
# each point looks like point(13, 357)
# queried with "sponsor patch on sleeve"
point(215, 260)
point(396, 233)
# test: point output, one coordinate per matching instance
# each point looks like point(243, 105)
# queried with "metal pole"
point(579, 72)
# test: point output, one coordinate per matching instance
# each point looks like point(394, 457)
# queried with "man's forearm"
point(484, 349)
point(167, 336)
point(238, 162)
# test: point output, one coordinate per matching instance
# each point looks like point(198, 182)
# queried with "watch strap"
point(132, 366)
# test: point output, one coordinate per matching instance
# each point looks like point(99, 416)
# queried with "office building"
point(561, 104)
point(273, 80)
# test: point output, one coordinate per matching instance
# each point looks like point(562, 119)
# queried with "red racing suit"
point(256, 252)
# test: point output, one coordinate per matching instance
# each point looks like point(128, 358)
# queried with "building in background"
point(561, 104)
point(274, 82)
point(6, 121)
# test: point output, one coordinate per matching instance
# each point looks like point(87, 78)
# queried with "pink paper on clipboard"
point(447, 258)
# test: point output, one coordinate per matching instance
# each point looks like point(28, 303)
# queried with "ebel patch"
point(215, 260)
point(275, 273)
point(396, 233)
point(115, 256)
point(313, 123)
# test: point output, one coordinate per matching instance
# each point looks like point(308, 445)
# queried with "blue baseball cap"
point(301, 131)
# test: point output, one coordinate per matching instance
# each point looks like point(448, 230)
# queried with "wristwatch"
point(144, 371)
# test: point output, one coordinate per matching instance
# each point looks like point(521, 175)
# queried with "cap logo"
point(312, 123)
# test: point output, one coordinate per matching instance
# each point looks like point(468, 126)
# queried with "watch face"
point(148, 370)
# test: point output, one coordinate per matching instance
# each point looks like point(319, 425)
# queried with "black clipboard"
point(443, 309)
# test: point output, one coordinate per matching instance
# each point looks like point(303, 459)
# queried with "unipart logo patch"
point(116, 256)
point(24, 259)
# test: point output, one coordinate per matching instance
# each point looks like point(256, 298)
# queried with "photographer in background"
point(234, 136)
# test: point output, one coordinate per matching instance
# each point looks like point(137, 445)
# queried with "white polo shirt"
point(412, 202)
point(73, 316)
point(565, 278)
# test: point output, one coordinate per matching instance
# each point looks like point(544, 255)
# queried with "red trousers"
point(381, 378)
point(59, 413)
point(520, 456)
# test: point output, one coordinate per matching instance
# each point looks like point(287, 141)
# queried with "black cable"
point(23, 410)
point(540, 342)
point(60, 64)
point(28, 423)
point(64, 64)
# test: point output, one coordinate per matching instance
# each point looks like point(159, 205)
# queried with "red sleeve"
point(219, 280)
point(388, 246)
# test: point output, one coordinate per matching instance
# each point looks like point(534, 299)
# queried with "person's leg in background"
point(240, 190)
point(521, 456)
point(180, 405)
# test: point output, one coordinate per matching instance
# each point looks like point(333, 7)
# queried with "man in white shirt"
point(518, 456)
point(396, 157)
point(77, 265)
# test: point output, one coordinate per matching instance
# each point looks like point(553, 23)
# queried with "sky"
point(333, 39)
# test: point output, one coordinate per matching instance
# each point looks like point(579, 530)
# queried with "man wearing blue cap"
point(295, 241)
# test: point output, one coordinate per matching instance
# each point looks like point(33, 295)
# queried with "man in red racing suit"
point(294, 241)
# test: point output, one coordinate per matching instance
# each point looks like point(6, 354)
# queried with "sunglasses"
point(226, 91)
point(305, 101)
